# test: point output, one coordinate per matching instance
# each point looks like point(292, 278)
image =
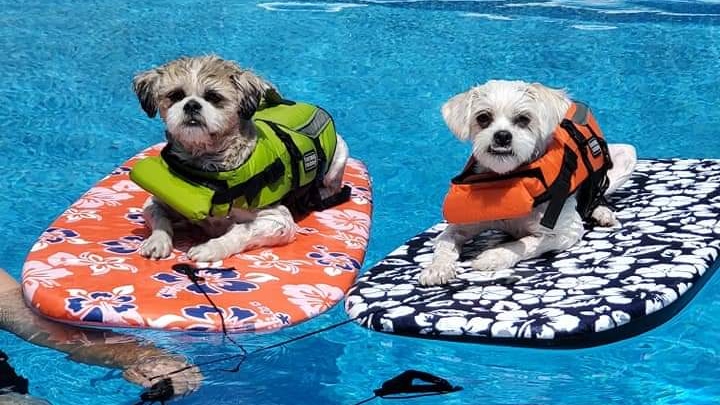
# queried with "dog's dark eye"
point(213, 97)
point(522, 120)
point(484, 119)
point(176, 95)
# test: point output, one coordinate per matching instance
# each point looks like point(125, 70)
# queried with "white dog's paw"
point(604, 216)
point(157, 246)
point(437, 274)
point(210, 251)
point(493, 259)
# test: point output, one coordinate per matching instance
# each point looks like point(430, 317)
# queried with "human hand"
point(153, 369)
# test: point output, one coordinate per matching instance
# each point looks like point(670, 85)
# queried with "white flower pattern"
point(669, 239)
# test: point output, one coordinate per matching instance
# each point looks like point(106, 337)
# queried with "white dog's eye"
point(522, 120)
point(484, 119)
point(213, 97)
point(176, 95)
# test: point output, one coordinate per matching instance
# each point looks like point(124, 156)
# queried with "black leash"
point(401, 384)
point(163, 390)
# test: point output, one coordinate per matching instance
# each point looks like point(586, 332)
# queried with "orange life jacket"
point(576, 161)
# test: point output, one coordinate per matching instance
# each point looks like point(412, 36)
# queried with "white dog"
point(511, 123)
point(207, 105)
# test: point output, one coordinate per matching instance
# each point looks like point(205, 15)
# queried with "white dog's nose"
point(192, 106)
point(502, 138)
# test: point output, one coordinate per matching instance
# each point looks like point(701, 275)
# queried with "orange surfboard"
point(85, 268)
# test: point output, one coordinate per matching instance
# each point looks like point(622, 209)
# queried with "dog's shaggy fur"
point(206, 104)
point(510, 123)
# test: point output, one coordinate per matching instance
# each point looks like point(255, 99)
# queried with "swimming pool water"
point(383, 69)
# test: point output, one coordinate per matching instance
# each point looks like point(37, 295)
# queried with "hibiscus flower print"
point(360, 195)
point(637, 229)
point(351, 241)
point(74, 215)
point(655, 296)
point(345, 220)
point(358, 166)
point(333, 263)
point(668, 270)
point(113, 307)
point(211, 281)
point(120, 171)
point(125, 245)
point(101, 196)
point(54, 236)
point(205, 318)
point(100, 265)
point(579, 284)
point(536, 296)
point(581, 264)
point(388, 290)
point(666, 241)
point(676, 201)
point(267, 260)
point(539, 323)
point(685, 186)
point(483, 294)
point(313, 299)
point(135, 215)
point(39, 274)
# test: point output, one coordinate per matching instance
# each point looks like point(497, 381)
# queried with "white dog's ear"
point(556, 101)
point(251, 89)
point(145, 86)
point(456, 114)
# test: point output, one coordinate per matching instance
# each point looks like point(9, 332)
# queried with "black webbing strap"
point(295, 155)
point(251, 187)
point(591, 193)
point(580, 140)
point(560, 189)
point(180, 170)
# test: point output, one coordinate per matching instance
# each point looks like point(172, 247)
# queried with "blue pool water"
point(383, 68)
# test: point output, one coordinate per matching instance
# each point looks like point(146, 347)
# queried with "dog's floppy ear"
point(145, 86)
point(250, 88)
point(456, 114)
point(555, 101)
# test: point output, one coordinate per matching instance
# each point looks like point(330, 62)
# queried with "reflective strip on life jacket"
point(577, 155)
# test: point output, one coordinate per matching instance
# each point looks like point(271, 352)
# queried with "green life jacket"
point(295, 142)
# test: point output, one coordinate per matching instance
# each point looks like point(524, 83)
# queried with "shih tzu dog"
point(510, 124)
point(207, 104)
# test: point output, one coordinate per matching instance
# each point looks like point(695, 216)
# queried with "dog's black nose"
point(502, 138)
point(192, 106)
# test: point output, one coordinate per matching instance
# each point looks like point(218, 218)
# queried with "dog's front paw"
point(210, 251)
point(492, 260)
point(157, 246)
point(604, 216)
point(437, 274)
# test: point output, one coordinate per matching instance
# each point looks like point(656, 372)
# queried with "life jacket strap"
point(293, 150)
point(591, 193)
point(312, 130)
point(252, 186)
point(560, 189)
point(224, 194)
point(176, 167)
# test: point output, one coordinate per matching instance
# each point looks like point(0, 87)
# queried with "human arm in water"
point(138, 359)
